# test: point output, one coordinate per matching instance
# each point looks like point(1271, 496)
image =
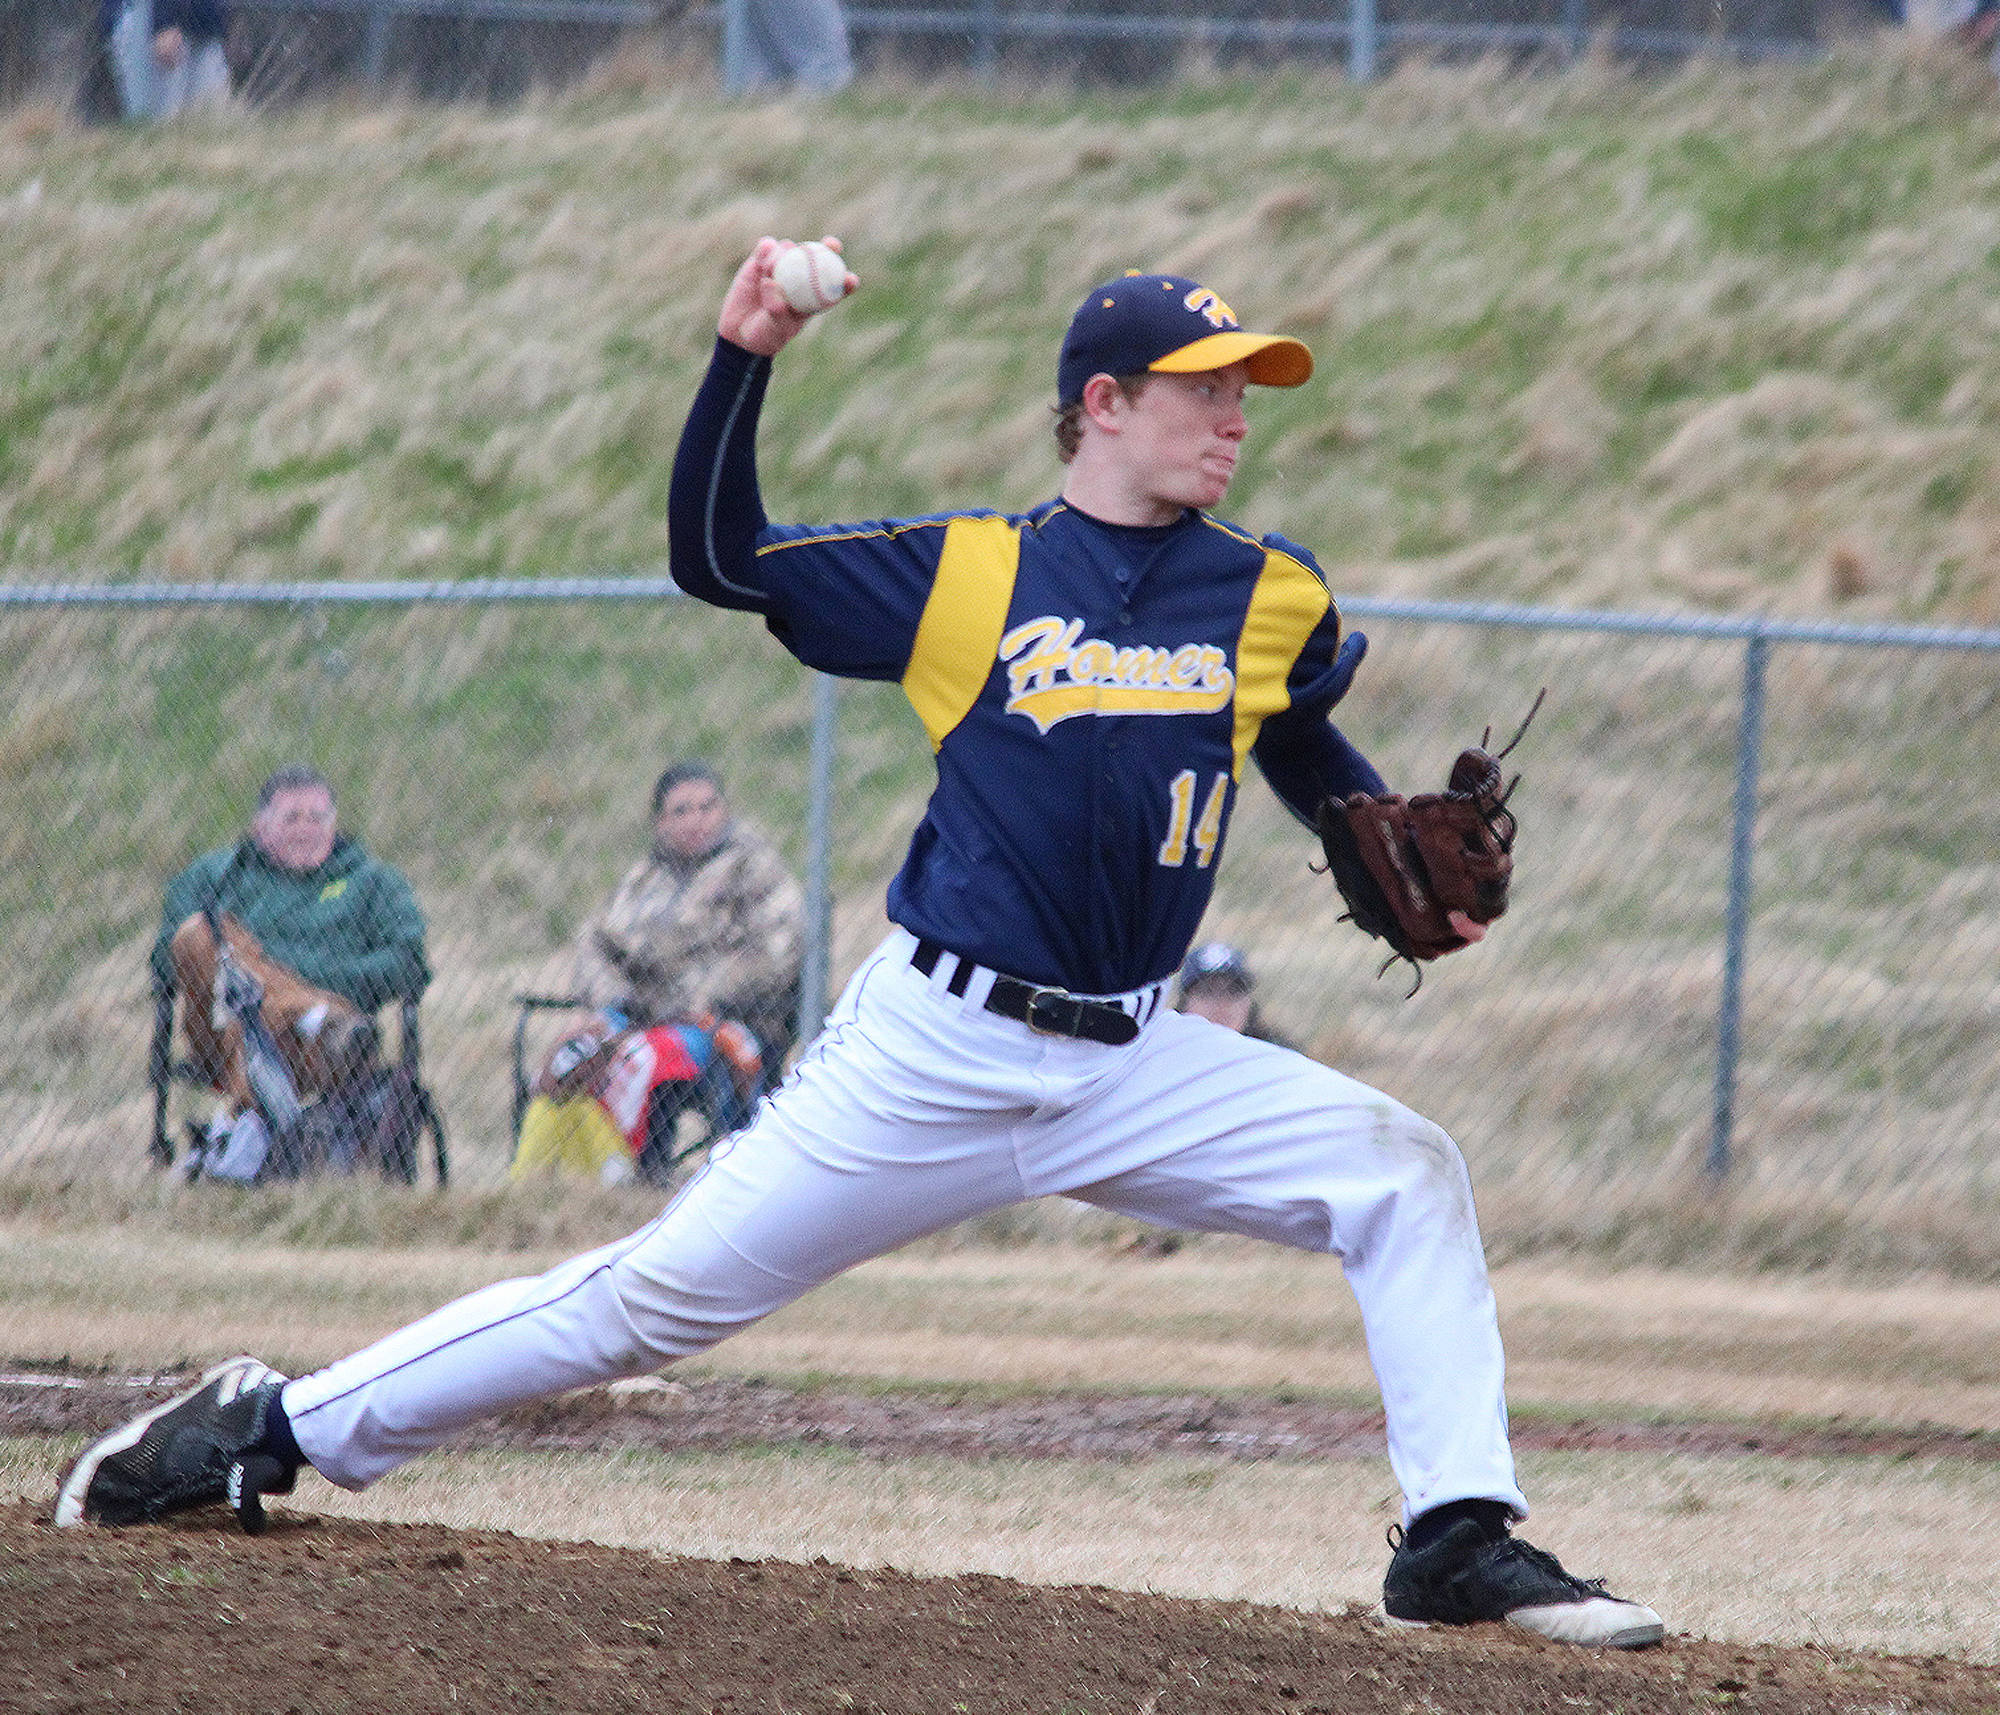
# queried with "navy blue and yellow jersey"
point(1092, 693)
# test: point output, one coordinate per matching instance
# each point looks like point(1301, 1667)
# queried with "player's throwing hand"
point(755, 314)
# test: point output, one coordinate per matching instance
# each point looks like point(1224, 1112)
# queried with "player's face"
point(1183, 434)
point(295, 830)
point(691, 819)
point(1220, 1003)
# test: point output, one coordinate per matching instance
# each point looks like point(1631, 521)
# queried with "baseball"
point(812, 277)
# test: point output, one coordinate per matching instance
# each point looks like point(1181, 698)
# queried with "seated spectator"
point(1976, 24)
point(693, 969)
point(163, 56)
point(1216, 984)
point(299, 911)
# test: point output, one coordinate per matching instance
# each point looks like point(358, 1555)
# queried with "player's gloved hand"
point(1428, 873)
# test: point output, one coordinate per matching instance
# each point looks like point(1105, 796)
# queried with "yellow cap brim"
point(1274, 360)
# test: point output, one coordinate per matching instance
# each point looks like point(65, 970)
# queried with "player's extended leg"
point(777, 1209)
point(1211, 1131)
point(904, 1118)
point(1208, 1130)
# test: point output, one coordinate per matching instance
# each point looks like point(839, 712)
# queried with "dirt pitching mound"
point(322, 1614)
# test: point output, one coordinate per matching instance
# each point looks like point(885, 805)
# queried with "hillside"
point(1722, 341)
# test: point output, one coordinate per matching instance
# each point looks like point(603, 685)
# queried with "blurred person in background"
point(708, 921)
point(1216, 984)
point(773, 45)
point(329, 933)
point(1973, 25)
point(1976, 23)
point(158, 58)
point(692, 969)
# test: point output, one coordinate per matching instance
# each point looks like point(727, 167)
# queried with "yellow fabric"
point(571, 1136)
point(958, 636)
point(1288, 602)
point(1274, 360)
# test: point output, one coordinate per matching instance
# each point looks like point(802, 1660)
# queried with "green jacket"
point(352, 925)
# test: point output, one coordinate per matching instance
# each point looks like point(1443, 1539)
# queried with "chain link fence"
point(1605, 1038)
point(500, 49)
point(1807, 995)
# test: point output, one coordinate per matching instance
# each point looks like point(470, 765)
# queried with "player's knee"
point(192, 949)
point(684, 1301)
point(1424, 1159)
point(1405, 1132)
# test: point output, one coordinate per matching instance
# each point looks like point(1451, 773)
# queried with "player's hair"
point(1069, 418)
point(679, 775)
point(293, 777)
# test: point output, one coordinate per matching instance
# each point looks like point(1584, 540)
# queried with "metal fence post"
point(735, 46)
point(1362, 39)
point(1736, 934)
point(818, 965)
point(986, 41)
point(375, 47)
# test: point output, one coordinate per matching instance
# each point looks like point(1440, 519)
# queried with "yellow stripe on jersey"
point(1287, 603)
point(958, 637)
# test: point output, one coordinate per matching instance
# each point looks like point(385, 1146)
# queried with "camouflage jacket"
point(723, 934)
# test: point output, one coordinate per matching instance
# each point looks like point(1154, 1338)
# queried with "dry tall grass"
point(1721, 339)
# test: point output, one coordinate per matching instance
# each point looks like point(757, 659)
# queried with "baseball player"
point(1093, 676)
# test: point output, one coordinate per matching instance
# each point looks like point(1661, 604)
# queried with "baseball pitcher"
point(1095, 676)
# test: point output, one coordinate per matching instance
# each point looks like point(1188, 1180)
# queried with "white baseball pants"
point(916, 1109)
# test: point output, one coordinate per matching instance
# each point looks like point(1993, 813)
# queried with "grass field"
point(1720, 342)
point(1717, 341)
point(1865, 1552)
point(1220, 1313)
point(1719, 338)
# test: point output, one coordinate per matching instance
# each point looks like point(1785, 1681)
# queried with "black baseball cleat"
point(199, 1449)
point(1466, 1576)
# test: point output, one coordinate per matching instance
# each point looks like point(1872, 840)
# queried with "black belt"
point(1046, 1011)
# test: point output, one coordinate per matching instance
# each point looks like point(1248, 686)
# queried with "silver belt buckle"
point(1035, 999)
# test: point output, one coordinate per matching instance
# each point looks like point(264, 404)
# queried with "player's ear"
point(1103, 399)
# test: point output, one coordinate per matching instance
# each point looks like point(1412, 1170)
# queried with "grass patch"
point(1712, 340)
point(1092, 1314)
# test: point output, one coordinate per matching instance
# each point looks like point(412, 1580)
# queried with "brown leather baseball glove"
point(1403, 866)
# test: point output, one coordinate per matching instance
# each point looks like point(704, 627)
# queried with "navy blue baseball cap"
point(1217, 961)
point(1171, 326)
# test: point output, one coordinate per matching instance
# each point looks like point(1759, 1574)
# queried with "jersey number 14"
point(1207, 831)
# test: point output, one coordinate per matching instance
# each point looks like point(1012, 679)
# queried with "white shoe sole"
point(69, 1504)
point(1605, 1623)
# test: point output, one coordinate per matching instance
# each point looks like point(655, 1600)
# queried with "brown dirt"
point(334, 1614)
point(676, 1416)
point(323, 1614)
